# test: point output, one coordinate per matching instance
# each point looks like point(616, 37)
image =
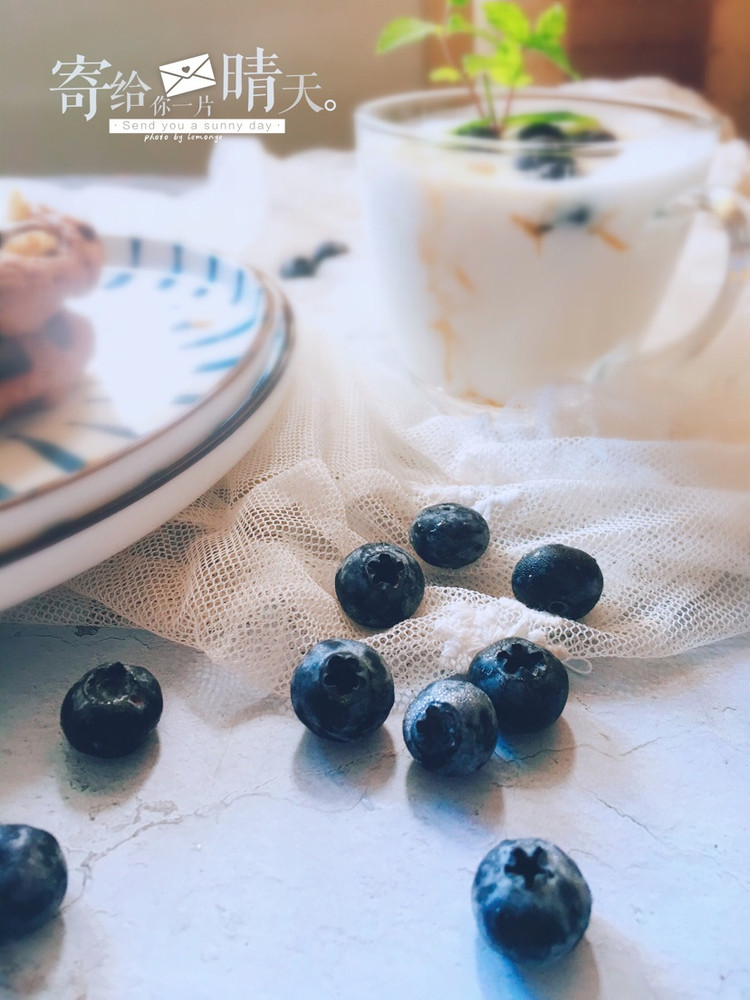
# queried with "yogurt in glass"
point(497, 278)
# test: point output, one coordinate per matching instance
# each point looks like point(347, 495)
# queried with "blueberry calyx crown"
point(518, 656)
point(528, 866)
point(384, 571)
point(342, 674)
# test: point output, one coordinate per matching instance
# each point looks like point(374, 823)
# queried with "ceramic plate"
point(189, 365)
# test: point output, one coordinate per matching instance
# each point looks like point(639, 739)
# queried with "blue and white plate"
point(191, 354)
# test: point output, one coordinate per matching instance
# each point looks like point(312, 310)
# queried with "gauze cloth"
point(651, 475)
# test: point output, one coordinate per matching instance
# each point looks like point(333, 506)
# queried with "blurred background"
point(704, 44)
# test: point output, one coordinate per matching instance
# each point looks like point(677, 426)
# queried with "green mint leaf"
point(555, 53)
point(405, 31)
point(458, 3)
point(547, 37)
point(578, 121)
point(474, 64)
point(552, 23)
point(471, 128)
point(445, 74)
point(504, 66)
point(458, 24)
point(508, 18)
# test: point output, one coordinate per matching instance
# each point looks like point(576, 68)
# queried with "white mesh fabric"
point(652, 478)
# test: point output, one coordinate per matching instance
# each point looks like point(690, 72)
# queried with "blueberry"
point(298, 267)
point(342, 690)
point(33, 879)
point(547, 166)
point(578, 216)
point(531, 901)
point(111, 710)
point(330, 248)
point(379, 584)
point(451, 727)
point(449, 535)
point(544, 131)
point(551, 165)
point(527, 685)
point(558, 578)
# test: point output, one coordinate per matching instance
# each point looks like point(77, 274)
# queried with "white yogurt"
point(498, 280)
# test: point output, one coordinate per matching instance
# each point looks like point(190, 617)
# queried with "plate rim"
point(274, 374)
point(276, 306)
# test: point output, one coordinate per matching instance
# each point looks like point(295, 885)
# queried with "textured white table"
point(237, 856)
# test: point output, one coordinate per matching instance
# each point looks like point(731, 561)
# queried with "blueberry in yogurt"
point(111, 710)
point(541, 131)
point(379, 584)
point(531, 901)
point(33, 879)
point(527, 685)
point(449, 535)
point(551, 165)
point(559, 579)
point(450, 727)
point(342, 690)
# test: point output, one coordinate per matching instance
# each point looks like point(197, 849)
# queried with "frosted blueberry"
point(33, 879)
point(559, 579)
point(379, 584)
point(342, 689)
point(449, 535)
point(531, 901)
point(526, 684)
point(450, 727)
point(111, 710)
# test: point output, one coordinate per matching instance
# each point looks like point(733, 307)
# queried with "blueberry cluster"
point(529, 897)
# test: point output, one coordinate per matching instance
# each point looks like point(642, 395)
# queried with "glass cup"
point(507, 264)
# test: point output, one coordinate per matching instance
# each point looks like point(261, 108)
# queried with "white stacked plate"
point(191, 356)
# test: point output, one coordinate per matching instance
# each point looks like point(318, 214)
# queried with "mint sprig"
point(507, 37)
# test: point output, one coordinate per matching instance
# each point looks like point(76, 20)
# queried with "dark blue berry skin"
point(342, 690)
point(33, 879)
point(541, 132)
point(450, 727)
point(547, 166)
point(111, 710)
point(298, 267)
point(559, 579)
point(531, 901)
point(527, 685)
point(449, 535)
point(553, 165)
point(379, 584)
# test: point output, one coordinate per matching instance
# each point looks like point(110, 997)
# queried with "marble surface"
point(236, 855)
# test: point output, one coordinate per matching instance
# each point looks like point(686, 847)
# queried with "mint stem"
point(468, 82)
point(506, 110)
point(490, 104)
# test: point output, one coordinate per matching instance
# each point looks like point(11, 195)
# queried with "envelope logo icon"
point(186, 75)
